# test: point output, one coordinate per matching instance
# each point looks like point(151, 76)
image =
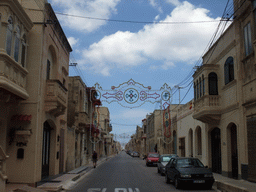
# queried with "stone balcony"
point(55, 98)
point(82, 119)
point(12, 77)
point(207, 109)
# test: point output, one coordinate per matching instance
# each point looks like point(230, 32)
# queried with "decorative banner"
point(132, 94)
point(167, 122)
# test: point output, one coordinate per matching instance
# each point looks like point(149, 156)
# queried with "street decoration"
point(132, 94)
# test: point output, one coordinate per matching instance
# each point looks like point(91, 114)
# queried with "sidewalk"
point(225, 184)
point(58, 182)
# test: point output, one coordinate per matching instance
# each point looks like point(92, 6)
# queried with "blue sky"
point(109, 52)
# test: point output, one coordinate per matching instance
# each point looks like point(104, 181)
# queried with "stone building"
point(191, 134)
point(34, 76)
point(15, 26)
point(77, 118)
point(105, 129)
point(225, 97)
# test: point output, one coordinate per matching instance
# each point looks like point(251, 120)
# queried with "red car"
point(152, 158)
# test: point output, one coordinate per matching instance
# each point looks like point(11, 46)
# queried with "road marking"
point(116, 190)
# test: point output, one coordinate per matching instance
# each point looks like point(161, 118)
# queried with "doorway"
point(234, 156)
point(46, 150)
point(62, 139)
point(216, 150)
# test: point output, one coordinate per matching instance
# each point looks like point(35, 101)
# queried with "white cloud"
point(72, 41)
point(171, 43)
point(174, 2)
point(89, 8)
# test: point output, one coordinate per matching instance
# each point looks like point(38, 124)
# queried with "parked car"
point(152, 158)
point(188, 170)
point(135, 154)
point(163, 160)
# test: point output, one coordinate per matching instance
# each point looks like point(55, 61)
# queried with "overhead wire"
point(139, 22)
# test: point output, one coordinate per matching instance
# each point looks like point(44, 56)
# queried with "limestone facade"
point(34, 57)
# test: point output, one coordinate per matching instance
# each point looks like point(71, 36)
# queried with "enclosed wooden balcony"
point(82, 119)
point(12, 77)
point(55, 98)
point(207, 109)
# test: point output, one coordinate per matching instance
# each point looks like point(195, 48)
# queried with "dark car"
point(188, 170)
point(152, 158)
point(163, 160)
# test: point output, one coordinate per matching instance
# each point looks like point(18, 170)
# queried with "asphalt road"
point(124, 173)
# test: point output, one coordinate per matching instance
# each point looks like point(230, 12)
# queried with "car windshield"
point(166, 159)
point(153, 155)
point(189, 163)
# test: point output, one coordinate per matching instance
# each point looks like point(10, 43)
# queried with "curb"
point(227, 187)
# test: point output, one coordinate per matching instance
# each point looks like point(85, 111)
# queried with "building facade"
point(15, 26)
point(34, 77)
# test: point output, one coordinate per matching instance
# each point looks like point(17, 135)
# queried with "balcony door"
point(46, 150)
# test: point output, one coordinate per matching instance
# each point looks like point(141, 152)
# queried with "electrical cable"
point(139, 22)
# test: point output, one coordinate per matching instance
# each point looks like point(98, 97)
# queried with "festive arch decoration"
point(132, 94)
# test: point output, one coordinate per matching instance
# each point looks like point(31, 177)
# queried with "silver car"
point(135, 154)
point(163, 160)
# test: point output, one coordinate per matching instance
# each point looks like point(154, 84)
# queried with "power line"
point(140, 22)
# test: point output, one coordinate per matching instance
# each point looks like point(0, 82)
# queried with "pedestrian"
point(94, 158)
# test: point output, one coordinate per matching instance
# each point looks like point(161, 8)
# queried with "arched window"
point(229, 70)
point(17, 44)
point(23, 51)
point(9, 36)
point(203, 85)
point(213, 84)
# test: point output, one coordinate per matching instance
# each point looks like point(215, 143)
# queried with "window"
point(195, 90)
point(9, 36)
point(17, 44)
point(48, 70)
point(213, 84)
point(23, 51)
point(203, 85)
point(254, 10)
point(200, 84)
point(229, 70)
point(247, 39)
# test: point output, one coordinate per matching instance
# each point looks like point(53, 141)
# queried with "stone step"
point(28, 189)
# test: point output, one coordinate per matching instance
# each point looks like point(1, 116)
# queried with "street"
point(124, 173)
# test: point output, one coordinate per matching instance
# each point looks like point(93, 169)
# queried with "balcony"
point(207, 109)
point(82, 119)
point(109, 127)
point(55, 98)
point(12, 77)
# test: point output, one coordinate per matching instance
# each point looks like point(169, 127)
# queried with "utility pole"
point(178, 87)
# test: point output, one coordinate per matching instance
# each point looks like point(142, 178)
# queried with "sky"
point(152, 42)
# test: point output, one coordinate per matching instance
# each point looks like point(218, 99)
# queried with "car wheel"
point(162, 173)
point(158, 171)
point(209, 187)
point(167, 180)
point(176, 183)
point(146, 164)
